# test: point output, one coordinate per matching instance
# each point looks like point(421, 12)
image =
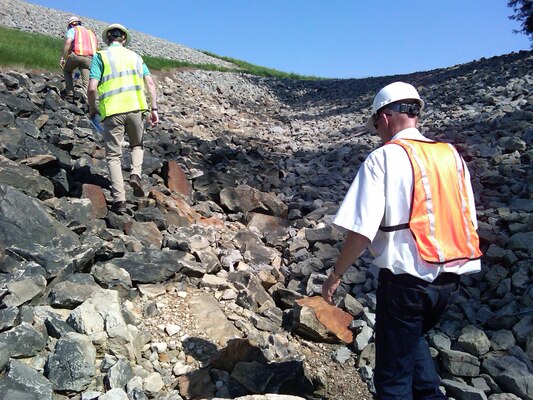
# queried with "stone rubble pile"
point(209, 286)
point(29, 17)
point(244, 176)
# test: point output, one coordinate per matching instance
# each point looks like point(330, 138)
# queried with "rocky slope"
point(208, 287)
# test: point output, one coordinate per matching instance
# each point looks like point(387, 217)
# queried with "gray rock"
point(114, 394)
point(510, 373)
point(474, 341)
point(38, 227)
point(460, 391)
point(119, 375)
point(73, 291)
point(502, 340)
point(520, 241)
point(523, 329)
point(23, 341)
point(363, 338)
point(32, 382)
point(252, 375)
point(72, 365)
point(150, 266)
point(459, 363)
point(25, 179)
point(23, 290)
point(250, 282)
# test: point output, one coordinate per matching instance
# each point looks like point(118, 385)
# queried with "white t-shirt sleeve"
point(362, 209)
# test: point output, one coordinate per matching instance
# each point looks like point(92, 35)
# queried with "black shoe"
point(135, 183)
point(119, 207)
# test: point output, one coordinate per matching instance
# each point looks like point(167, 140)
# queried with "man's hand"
point(154, 118)
point(329, 287)
point(62, 63)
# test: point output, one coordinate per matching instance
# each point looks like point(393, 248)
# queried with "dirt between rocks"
point(165, 314)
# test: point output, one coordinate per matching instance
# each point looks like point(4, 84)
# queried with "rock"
point(23, 341)
point(72, 365)
point(175, 179)
point(245, 198)
point(474, 341)
point(212, 320)
point(459, 363)
point(26, 380)
point(314, 317)
point(461, 391)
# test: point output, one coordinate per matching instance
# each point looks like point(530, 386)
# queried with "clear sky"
point(325, 38)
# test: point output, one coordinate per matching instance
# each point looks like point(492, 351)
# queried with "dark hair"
point(115, 33)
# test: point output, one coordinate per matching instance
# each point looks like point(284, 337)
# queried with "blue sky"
point(325, 38)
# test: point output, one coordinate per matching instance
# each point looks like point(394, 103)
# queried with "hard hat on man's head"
point(74, 19)
point(390, 94)
point(120, 28)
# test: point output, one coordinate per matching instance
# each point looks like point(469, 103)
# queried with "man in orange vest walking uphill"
point(118, 77)
point(80, 45)
point(412, 204)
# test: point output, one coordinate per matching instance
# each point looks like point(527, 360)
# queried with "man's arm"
point(91, 97)
point(64, 53)
point(154, 117)
point(353, 247)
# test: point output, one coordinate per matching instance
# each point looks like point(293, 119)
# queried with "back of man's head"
point(115, 35)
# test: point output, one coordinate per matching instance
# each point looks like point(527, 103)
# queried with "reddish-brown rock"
point(175, 179)
point(95, 194)
point(333, 319)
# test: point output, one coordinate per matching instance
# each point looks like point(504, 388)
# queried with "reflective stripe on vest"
point(85, 42)
point(121, 88)
point(440, 218)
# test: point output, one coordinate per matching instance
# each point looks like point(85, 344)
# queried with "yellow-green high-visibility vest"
point(121, 88)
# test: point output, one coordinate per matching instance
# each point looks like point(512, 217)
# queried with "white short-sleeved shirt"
point(380, 194)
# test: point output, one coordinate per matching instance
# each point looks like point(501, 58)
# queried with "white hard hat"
point(73, 19)
point(120, 27)
point(389, 94)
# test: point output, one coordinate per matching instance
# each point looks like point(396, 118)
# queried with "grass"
point(30, 50)
point(38, 51)
point(163, 64)
point(261, 71)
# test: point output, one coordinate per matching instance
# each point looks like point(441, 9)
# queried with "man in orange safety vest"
point(78, 50)
point(412, 204)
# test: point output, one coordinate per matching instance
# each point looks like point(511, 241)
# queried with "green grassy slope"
point(37, 51)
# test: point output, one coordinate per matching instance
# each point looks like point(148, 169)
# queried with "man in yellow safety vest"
point(78, 50)
point(119, 76)
point(412, 203)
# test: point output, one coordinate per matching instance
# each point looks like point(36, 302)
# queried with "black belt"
point(444, 279)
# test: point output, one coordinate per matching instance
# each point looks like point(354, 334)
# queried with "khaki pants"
point(83, 63)
point(114, 128)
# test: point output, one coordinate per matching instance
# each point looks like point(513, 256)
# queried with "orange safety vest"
point(85, 41)
point(440, 218)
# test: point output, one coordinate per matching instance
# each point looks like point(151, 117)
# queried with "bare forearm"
point(66, 48)
point(151, 90)
point(353, 247)
point(91, 96)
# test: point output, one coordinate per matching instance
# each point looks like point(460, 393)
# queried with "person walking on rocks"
point(119, 75)
point(80, 45)
point(412, 203)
